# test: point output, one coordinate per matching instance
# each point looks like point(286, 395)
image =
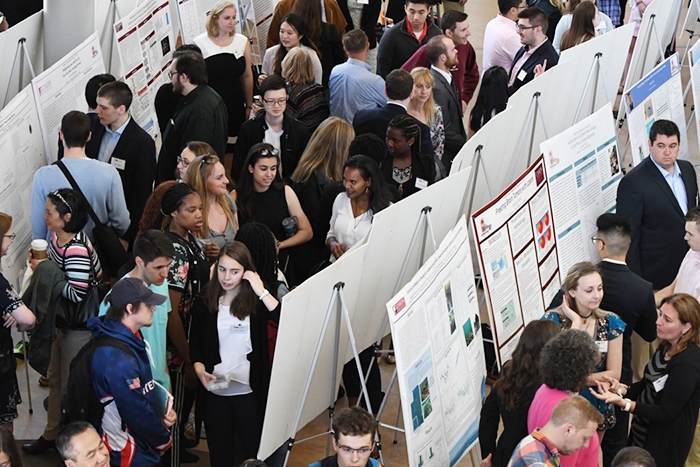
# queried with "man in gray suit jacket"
point(442, 54)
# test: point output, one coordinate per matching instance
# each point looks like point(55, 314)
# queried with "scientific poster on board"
point(694, 60)
point(145, 42)
point(193, 17)
point(518, 257)
point(440, 355)
point(583, 170)
point(61, 89)
point(21, 154)
point(659, 95)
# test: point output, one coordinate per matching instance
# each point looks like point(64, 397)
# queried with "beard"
point(177, 87)
point(452, 63)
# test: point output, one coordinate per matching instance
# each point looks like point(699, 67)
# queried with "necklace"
point(584, 319)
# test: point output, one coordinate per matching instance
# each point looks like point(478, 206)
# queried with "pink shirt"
point(689, 275)
point(501, 43)
point(540, 411)
point(521, 61)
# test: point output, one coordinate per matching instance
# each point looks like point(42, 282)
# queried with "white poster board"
point(694, 61)
point(518, 258)
point(659, 95)
point(61, 89)
point(21, 154)
point(583, 170)
point(258, 17)
point(31, 29)
point(440, 355)
point(145, 43)
point(193, 17)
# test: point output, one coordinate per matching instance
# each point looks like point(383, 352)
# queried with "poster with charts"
point(61, 89)
point(439, 354)
point(583, 170)
point(21, 154)
point(145, 42)
point(659, 95)
point(694, 60)
point(517, 248)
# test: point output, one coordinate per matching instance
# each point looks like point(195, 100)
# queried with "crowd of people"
point(265, 177)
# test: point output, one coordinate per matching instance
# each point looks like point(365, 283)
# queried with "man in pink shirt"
point(501, 40)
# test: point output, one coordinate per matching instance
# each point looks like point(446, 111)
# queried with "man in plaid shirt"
point(573, 423)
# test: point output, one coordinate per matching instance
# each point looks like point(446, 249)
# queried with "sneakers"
point(39, 446)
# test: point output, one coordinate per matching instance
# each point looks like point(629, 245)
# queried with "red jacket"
point(466, 75)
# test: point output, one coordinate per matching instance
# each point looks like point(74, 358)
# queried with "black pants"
point(351, 380)
point(616, 437)
point(233, 429)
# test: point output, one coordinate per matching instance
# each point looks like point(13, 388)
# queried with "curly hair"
point(261, 243)
point(521, 371)
point(172, 200)
point(567, 360)
point(151, 212)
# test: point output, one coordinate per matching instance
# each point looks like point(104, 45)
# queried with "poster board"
point(31, 29)
point(440, 355)
point(256, 17)
point(583, 169)
point(694, 62)
point(659, 95)
point(61, 88)
point(145, 43)
point(21, 154)
point(518, 258)
point(193, 16)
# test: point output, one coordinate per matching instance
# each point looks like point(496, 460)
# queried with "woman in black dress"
point(14, 312)
point(229, 65)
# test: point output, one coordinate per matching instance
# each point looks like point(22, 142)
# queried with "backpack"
point(80, 402)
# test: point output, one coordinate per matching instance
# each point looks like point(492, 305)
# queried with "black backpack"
point(80, 402)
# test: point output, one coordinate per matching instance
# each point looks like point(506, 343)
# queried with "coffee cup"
point(39, 248)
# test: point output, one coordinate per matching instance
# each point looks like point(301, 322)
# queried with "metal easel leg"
point(26, 370)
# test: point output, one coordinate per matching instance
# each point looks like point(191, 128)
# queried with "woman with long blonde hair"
point(424, 109)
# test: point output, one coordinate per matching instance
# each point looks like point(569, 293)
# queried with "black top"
point(225, 73)
point(422, 168)
point(331, 48)
point(269, 208)
point(9, 302)
point(165, 102)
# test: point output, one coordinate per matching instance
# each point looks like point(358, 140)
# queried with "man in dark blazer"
point(121, 142)
point(399, 90)
point(442, 54)
point(654, 197)
point(537, 54)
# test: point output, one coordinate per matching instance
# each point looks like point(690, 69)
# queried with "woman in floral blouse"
point(583, 292)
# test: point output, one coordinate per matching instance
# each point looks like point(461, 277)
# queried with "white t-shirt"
point(234, 347)
point(273, 138)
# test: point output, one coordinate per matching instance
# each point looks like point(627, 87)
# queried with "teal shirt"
point(156, 334)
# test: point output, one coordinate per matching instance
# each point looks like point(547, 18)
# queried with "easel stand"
point(594, 75)
point(25, 343)
point(338, 307)
point(108, 29)
point(693, 9)
point(534, 111)
point(21, 56)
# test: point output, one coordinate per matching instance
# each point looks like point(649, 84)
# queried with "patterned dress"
point(9, 391)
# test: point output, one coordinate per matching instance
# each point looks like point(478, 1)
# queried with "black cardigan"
point(674, 415)
point(204, 346)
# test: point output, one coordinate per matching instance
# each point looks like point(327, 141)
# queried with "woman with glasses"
point(229, 64)
point(189, 153)
point(262, 196)
point(274, 126)
point(206, 174)
point(14, 312)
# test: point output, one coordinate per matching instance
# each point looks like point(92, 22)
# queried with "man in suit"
point(121, 142)
point(442, 54)
point(655, 196)
point(399, 90)
point(537, 54)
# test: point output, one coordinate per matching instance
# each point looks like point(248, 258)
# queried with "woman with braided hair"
point(405, 167)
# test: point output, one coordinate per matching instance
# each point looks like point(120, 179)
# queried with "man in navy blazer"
point(118, 140)
point(655, 196)
point(537, 54)
point(399, 90)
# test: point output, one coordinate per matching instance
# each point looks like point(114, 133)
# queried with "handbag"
point(106, 241)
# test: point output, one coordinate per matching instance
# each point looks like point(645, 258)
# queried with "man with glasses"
point(501, 40)
point(536, 54)
point(353, 440)
point(274, 126)
point(201, 114)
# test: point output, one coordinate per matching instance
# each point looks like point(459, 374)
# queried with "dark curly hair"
point(521, 371)
point(567, 360)
point(261, 243)
point(151, 217)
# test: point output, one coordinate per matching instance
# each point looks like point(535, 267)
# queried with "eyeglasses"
point(62, 199)
point(183, 161)
point(596, 239)
point(520, 27)
point(274, 102)
point(267, 152)
point(349, 451)
point(171, 73)
point(11, 236)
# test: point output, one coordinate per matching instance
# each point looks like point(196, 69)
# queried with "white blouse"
point(209, 48)
point(234, 347)
point(269, 61)
point(345, 227)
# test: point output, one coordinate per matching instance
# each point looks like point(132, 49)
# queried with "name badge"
point(420, 183)
point(238, 53)
point(602, 346)
point(522, 75)
point(118, 163)
point(238, 329)
point(363, 2)
point(660, 383)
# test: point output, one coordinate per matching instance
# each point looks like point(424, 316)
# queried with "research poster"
point(694, 60)
point(583, 170)
point(61, 89)
point(145, 42)
point(440, 355)
point(21, 154)
point(518, 258)
point(193, 17)
point(659, 95)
